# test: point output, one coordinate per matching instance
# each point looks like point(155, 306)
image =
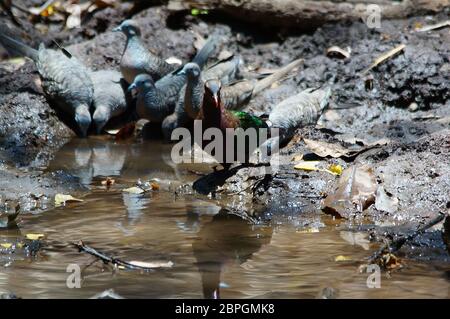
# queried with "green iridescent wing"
point(247, 120)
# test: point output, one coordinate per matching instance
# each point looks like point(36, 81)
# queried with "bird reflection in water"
point(227, 238)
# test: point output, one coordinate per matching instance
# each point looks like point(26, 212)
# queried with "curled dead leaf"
point(34, 236)
point(338, 52)
point(324, 149)
point(354, 193)
point(62, 199)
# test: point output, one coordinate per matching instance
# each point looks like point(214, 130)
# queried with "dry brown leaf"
point(355, 192)
point(62, 199)
point(154, 186)
point(384, 57)
point(324, 149)
point(108, 182)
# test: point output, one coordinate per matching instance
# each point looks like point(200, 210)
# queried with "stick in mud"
point(108, 259)
point(395, 245)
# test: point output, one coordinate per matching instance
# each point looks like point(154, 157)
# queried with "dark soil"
point(415, 166)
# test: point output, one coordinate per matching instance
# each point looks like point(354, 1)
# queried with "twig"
point(107, 259)
point(395, 245)
point(434, 26)
point(384, 57)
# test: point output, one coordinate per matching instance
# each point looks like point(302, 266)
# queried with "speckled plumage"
point(65, 81)
point(136, 59)
point(191, 95)
point(299, 110)
point(156, 100)
point(296, 111)
point(109, 97)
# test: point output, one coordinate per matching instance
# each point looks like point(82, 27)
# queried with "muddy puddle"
point(213, 252)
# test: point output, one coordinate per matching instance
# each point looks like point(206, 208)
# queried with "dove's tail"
point(205, 52)
point(277, 75)
point(15, 47)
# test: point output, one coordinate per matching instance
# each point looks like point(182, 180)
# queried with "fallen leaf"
point(342, 258)
point(297, 157)
point(384, 57)
point(390, 262)
point(34, 236)
point(314, 166)
point(335, 169)
point(154, 186)
point(108, 182)
point(324, 149)
point(6, 245)
point(384, 202)
point(47, 9)
point(62, 199)
point(154, 264)
point(134, 190)
point(336, 51)
point(355, 192)
point(308, 166)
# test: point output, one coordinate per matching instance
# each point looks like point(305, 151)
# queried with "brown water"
point(211, 250)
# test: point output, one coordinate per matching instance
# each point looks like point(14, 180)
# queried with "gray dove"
point(156, 100)
point(137, 59)
point(65, 80)
point(109, 97)
point(296, 111)
point(238, 94)
point(192, 93)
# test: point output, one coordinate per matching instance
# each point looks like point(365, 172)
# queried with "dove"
point(109, 97)
point(65, 80)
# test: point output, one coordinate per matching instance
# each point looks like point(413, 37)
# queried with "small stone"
point(413, 107)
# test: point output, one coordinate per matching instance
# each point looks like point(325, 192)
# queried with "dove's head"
point(83, 119)
point(191, 69)
point(129, 27)
point(141, 83)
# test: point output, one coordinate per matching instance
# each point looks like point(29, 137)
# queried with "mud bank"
point(407, 102)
